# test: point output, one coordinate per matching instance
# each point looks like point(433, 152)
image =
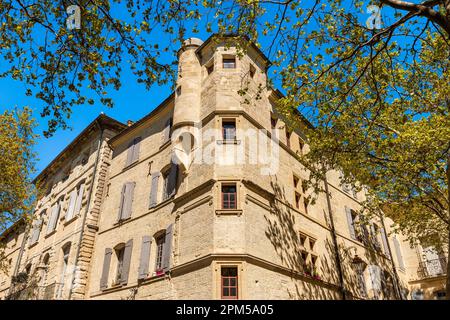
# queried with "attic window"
point(252, 71)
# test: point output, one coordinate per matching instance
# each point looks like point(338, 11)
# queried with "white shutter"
point(79, 200)
point(72, 201)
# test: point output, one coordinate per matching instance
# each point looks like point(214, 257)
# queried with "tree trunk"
point(447, 289)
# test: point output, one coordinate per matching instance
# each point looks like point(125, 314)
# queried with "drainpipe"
point(333, 233)
point(397, 281)
point(87, 209)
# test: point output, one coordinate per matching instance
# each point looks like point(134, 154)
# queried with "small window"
point(273, 122)
point(210, 68)
point(229, 63)
point(295, 182)
point(312, 243)
point(305, 205)
point(301, 145)
point(297, 200)
point(229, 129)
point(159, 251)
point(229, 197)
point(303, 240)
point(179, 91)
point(229, 281)
point(252, 71)
point(288, 138)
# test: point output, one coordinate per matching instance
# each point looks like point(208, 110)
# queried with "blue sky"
point(132, 102)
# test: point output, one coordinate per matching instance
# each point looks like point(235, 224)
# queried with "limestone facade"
point(203, 198)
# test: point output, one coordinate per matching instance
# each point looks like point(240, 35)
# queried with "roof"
point(103, 120)
point(12, 228)
point(142, 120)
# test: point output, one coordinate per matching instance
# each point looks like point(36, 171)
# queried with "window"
point(126, 201)
point(120, 253)
point(229, 287)
point(252, 71)
point(170, 178)
point(179, 91)
point(159, 252)
point(210, 68)
point(273, 122)
point(229, 197)
point(297, 200)
point(133, 151)
point(229, 129)
point(296, 180)
point(305, 205)
point(229, 62)
point(301, 144)
point(288, 138)
point(308, 259)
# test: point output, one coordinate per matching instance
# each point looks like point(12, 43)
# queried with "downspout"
point(397, 281)
point(88, 208)
point(333, 233)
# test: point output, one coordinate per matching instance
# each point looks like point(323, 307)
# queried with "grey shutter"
point(79, 200)
point(128, 200)
point(373, 235)
point(53, 218)
point(167, 250)
point(172, 183)
point(399, 254)
point(385, 242)
point(136, 149)
point(351, 226)
point(166, 132)
point(154, 189)
point(130, 154)
point(105, 271)
point(145, 257)
point(72, 202)
point(122, 200)
point(36, 231)
point(375, 277)
point(126, 262)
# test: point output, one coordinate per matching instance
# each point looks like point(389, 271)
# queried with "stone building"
point(204, 198)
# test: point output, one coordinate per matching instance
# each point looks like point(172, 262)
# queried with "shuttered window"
point(133, 151)
point(398, 252)
point(36, 231)
point(126, 201)
point(54, 217)
point(170, 181)
point(229, 283)
point(75, 201)
point(105, 270)
point(159, 251)
point(166, 131)
point(154, 189)
point(145, 257)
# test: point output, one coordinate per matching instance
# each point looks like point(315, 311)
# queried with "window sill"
point(48, 235)
point(121, 221)
point(65, 223)
point(130, 165)
point(33, 244)
point(231, 141)
point(229, 212)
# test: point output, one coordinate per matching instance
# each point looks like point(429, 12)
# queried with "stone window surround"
point(217, 277)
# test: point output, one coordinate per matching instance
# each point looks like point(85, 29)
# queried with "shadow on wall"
point(282, 230)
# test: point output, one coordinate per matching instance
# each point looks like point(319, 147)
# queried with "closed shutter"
point(105, 271)
point(167, 250)
point(126, 262)
point(375, 277)
point(172, 183)
point(36, 231)
point(145, 257)
point(130, 154)
point(72, 202)
point(128, 200)
point(136, 149)
point(385, 242)
point(351, 226)
point(53, 218)
point(79, 200)
point(399, 254)
point(154, 189)
point(122, 201)
point(166, 132)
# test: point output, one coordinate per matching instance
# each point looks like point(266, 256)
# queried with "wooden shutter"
point(105, 271)
point(385, 242)
point(126, 262)
point(172, 182)
point(136, 149)
point(130, 153)
point(72, 202)
point(53, 218)
point(128, 200)
point(351, 226)
point(166, 131)
point(375, 277)
point(398, 251)
point(122, 200)
point(145, 257)
point(36, 231)
point(154, 189)
point(167, 249)
point(79, 200)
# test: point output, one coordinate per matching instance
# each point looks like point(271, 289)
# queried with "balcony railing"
point(432, 268)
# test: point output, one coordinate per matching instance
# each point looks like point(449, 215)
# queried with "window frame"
point(222, 200)
point(229, 60)
point(229, 286)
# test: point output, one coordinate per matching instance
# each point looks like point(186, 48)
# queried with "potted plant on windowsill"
point(315, 274)
point(159, 272)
